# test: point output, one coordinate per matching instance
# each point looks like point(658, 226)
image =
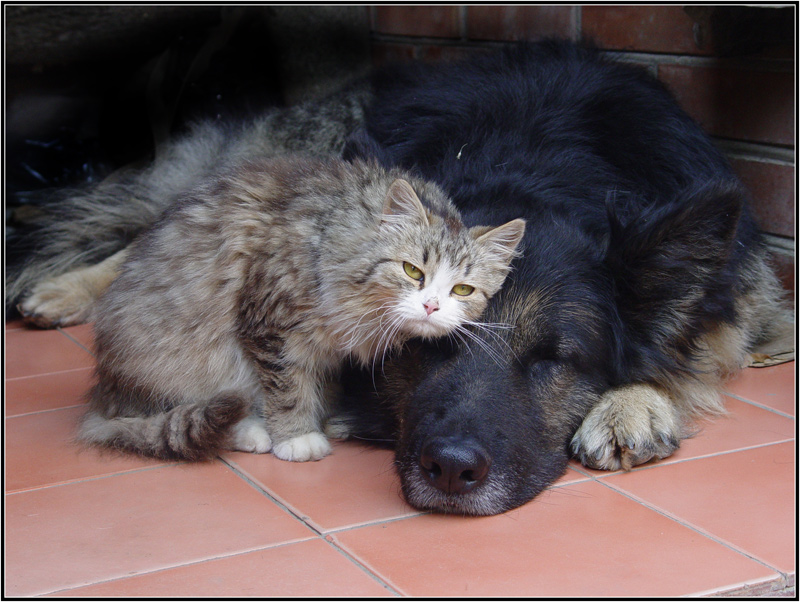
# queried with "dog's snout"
point(454, 464)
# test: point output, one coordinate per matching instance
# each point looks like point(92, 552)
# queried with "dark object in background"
point(94, 88)
point(741, 30)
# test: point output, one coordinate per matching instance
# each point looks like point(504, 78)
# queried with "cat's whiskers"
point(488, 328)
point(387, 340)
point(358, 335)
point(484, 345)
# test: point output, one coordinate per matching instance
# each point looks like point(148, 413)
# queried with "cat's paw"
point(311, 446)
point(249, 435)
point(627, 427)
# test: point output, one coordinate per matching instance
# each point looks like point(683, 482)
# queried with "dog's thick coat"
point(642, 283)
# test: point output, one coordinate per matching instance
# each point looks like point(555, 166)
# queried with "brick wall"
point(731, 68)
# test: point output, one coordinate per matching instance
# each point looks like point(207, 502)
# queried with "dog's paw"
point(61, 301)
point(311, 446)
point(249, 435)
point(627, 427)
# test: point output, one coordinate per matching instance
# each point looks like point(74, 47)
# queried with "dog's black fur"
point(638, 248)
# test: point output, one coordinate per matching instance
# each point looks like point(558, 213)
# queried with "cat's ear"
point(403, 204)
point(502, 240)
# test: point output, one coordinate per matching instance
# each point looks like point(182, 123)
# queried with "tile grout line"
point(682, 461)
point(700, 531)
point(367, 571)
point(759, 405)
point(15, 378)
point(742, 590)
point(90, 479)
point(374, 523)
point(240, 473)
point(76, 341)
point(317, 532)
point(177, 566)
point(77, 405)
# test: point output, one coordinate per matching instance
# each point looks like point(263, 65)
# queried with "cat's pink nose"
point(431, 306)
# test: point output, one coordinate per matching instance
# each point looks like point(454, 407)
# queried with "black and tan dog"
point(643, 281)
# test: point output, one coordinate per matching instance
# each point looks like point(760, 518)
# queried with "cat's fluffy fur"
point(232, 313)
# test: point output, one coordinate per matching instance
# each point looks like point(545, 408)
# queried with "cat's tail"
point(186, 432)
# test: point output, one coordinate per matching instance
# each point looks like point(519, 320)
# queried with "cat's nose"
point(431, 305)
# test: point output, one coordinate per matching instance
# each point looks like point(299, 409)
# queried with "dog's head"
point(484, 419)
point(487, 426)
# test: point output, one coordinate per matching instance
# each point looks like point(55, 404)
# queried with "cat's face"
point(435, 274)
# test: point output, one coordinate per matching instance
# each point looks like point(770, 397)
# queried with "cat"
point(233, 313)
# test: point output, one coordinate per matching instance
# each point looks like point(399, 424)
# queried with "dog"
point(642, 284)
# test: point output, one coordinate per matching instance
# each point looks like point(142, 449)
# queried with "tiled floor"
point(717, 517)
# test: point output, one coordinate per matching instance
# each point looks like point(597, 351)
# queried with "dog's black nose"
point(454, 464)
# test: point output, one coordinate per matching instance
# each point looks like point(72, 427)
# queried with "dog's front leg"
point(629, 426)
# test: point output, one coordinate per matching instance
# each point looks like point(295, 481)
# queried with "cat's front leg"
point(294, 416)
point(294, 403)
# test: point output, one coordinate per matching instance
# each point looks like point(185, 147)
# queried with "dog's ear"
point(668, 264)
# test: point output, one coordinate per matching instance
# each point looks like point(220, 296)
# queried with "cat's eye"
point(463, 290)
point(413, 271)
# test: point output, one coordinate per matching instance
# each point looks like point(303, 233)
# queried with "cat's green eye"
point(413, 271)
point(463, 290)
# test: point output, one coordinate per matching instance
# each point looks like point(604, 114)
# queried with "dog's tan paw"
point(627, 427)
point(60, 301)
point(68, 299)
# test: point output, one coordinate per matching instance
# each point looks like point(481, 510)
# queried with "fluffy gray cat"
point(231, 315)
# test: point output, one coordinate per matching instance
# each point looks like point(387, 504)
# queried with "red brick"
point(520, 22)
point(772, 187)
point(740, 104)
point(420, 21)
point(644, 28)
point(448, 53)
point(383, 53)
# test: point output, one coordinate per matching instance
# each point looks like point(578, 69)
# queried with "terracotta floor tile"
point(305, 569)
point(745, 498)
point(77, 534)
point(40, 451)
point(353, 486)
point(47, 391)
point(31, 352)
point(744, 426)
point(15, 325)
point(773, 387)
point(579, 540)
